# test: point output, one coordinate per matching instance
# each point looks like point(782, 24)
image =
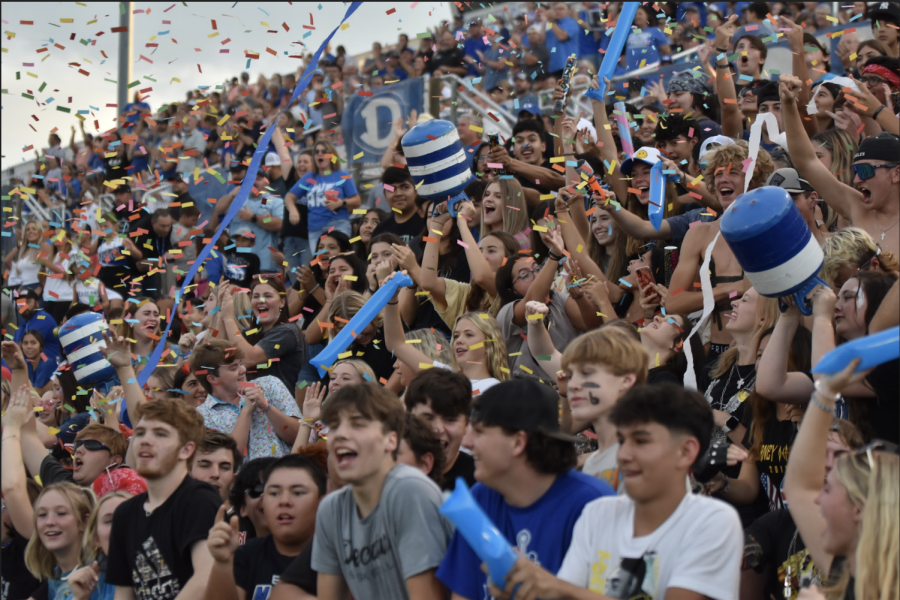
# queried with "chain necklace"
point(884, 231)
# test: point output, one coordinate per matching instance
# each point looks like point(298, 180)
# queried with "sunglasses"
point(91, 446)
point(879, 445)
point(256, 491)
point(872, 81)
point(866, 171)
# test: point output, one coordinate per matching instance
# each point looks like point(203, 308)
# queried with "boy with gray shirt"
point(381, 536)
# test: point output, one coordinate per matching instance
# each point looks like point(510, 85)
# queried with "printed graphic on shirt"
point(152, 578)
point(634, 579)
point(800, 571)
point(368, 556)
point(263, 590)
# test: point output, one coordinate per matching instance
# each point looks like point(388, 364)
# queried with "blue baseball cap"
point(530, 108)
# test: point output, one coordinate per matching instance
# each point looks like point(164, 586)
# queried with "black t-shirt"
point(281, 188)
point(258, 566)
point(662, 374)
point(300, 572)
point(446, 58)
point(723, 392)
point(16, 582)
point(407, 231)
point(773, 457)
point(378, 357)
point(884, 411)
point(528, 182)
point(240, 267)
point(53, 472)
point(463, 467)
point(772, 544)
point(282, 342)
point(181, 200)
point(152, 553)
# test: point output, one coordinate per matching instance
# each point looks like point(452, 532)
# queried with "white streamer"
point(709, 304)
point(775, 137)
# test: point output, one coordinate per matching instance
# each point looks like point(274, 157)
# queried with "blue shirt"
point(264, 206)
point(560, 51)
point(43, 322)
point(587, 44)
point(40, 375)
point(494, 77)
point(542, 531)
point(643, 46)
point(312, 194)
point(471, 46)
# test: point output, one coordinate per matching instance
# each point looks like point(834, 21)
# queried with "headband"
point(882, 71)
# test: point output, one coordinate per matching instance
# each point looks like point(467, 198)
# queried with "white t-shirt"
point(479, 386)
point(604, 466)
point(698, 548)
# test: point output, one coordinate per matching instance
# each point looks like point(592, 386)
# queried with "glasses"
point(883, 446)
point(256, 491)
point(866, 171)
point(526, 275)
point(872, 80)
point(321, 151)
point(90, 446)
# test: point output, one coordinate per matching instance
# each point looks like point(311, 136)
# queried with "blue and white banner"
point(368, 121)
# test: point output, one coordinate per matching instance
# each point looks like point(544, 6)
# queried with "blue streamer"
point(872, 350)
point(246, 187)
point(614, 50)
point(658, 181)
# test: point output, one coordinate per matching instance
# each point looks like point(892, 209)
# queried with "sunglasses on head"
point(866, 171)
point(91, 446)
point(877, 445)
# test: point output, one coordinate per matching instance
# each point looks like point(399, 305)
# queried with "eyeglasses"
point(866, 171)
point(526, 275)
point(90, 446)
point(256, 491)
point(881, 445)
point(872, 80)
point(320, 151)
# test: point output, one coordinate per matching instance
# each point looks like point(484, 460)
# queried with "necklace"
point(884, 231)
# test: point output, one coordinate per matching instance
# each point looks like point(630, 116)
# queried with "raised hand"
point(533, 307)
point(823, 302)
point(467, 210)
point(187, 342)
point(223, 537)
point(404, 257)
point(13, 355)
point(19, 411)
point(794, 36)
point(117, 351)
point(312, 403)
point(789, 88)
point(725, 32)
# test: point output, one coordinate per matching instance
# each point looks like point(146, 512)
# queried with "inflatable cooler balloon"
point(774, 245)
point(438, 163)
point(82, 338)
point(480, 533)
point(872, 350)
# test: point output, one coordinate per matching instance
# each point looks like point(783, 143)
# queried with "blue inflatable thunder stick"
point(481, 534)
point(774, 245)
point(438, 163)
point(360, 321)
point(872, 350)
point(614, 50)
point(658, 182)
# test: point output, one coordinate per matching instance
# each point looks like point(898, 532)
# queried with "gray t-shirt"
point(403, 537)
point(562, 332)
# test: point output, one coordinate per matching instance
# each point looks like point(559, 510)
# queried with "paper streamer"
point(658, 183)
point(360, 321)
point(775, 137)
point(709, 303)
point(480, 532)
point(614, 50)
point(624, 129)
point(238, 203)
point(872, 350)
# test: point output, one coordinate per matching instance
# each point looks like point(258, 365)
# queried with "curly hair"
point(733, 155)
point(853, 247)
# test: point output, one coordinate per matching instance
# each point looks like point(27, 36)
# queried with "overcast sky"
point(183, 37)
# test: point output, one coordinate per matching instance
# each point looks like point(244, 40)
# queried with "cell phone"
point(494, 140)
point(644, 276)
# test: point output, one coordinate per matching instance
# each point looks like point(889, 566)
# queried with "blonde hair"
point(612, 348)
point(126, 329)
point(362, 368)
point(345, 306)
point(735, 154)
point(38, 559)
point(853, 246)
point(494, 344)
point(432, 344)
point(514, 221)
point(767, 312)
point(634, 206)
point(25, 249)
point(874, 490)
point(91, 550)
point(243, 310)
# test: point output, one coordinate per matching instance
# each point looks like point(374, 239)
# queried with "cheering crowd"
point(632, 415)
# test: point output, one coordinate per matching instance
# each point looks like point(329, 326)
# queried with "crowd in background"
point(635, 418)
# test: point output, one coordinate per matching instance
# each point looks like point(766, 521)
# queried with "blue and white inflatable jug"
point(774, 245)
point(81, 338)
point(438, 163)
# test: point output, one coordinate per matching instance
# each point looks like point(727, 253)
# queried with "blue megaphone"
point(872, 350)
point(360, 321)
point(482, 535)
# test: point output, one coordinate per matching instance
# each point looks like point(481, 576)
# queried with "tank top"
point(27, 269)
point(89, 292)
point(60, 286)
point(110, 253)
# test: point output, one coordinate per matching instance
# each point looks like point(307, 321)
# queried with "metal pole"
point(125, 20)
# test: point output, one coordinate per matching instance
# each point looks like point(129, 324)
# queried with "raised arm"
point(18, 416)
point(607, 144)
point(482, 274)
point(539, 289)
point(801, 72)
point(428, 275)
point(731, 114)
point(395, 339)
point(841, 197)
point(539, 342)
point(773, 381)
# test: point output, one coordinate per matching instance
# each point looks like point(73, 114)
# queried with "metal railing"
point(455, 82)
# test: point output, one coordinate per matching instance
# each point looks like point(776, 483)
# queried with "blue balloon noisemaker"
point(774, 245)
point(871, 350)
point(360, 321)
point(438, 163)
point(658, 182)
point(481, 534)
point(614, 50)
point(82, 340)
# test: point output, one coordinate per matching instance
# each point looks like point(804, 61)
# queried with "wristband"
point(253, 219)
point(724, 487)
point(814, 399)
point(312, 290)
point(878, 110)
point(722, 50)
point(268, 408)
point(725, 66)
point(553, 257)
point(731, 424)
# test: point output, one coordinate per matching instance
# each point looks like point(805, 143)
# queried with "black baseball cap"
point(521, 405)
point(884, 146)
point(885, 11)
point(123, 189)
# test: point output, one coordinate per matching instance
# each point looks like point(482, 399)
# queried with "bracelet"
point(553, 257)
point(818, 386)
point(312, 290)
point(722, 50)
point(814, 399)
point(724, 487)
point(268, 408)
point(878, 110)
point(308, 424)
point(15, 437)
point(725, 66)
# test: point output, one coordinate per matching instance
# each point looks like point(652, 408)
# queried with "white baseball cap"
point(645, 154)
point(272, 160)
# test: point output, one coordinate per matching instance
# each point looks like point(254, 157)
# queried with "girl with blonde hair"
point(22, 260)
point(850, 525)
point(850, 251)
point(432, 344)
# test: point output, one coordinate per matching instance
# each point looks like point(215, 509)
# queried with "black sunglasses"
point(91, 446)
point(256, 491)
